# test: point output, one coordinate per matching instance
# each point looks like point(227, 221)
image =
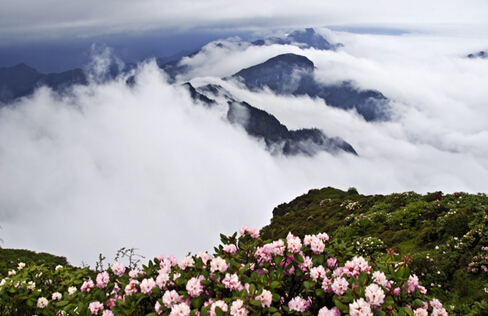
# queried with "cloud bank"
point(31, 20)
point(109, 166)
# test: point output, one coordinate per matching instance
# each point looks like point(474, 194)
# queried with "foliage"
point(445, 235)
point(245, 276)
point(10, 258)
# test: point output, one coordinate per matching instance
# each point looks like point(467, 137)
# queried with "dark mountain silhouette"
point(293, 74)
point(260, 124)
point(21, 80)
point(307, 38)
point(481, 54)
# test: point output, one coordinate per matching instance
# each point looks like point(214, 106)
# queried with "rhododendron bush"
point(245, 276)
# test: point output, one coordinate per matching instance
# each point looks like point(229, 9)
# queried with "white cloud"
point(50, 19)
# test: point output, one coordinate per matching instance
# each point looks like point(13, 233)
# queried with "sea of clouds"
point(111, 165)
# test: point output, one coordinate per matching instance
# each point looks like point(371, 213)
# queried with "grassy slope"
point(444, 235)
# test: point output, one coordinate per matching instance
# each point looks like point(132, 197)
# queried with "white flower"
point(360, 308)
point(56, 296)
point(42, 302)
point(71, 290)
point(374, 295)
point(20, 266)
point(58, 267)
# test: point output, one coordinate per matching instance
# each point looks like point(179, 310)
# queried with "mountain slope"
point(444, 236)
point(262, 125)
point(293, 74)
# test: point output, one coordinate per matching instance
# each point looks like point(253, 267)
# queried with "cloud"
point(109, 165)
point(31, 20)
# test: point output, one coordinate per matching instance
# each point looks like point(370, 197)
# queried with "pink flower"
point(439, 312)
point(294, 243)
point(162, 279)
point(102, 279)
point(306, 264)
point(87, 286)
point(334, 311)
point(340, 286)
point(107, 313)
point(317, 272)
point(323, 236)
point(131, 287)
point(231, 249)
point(435, 303)
point(118, 269)
point(186, 262)
point(266, 298)
point(205, 256)
point(374, 295)
point(220, 304)
point(42, 302)
point(380, 278)
point(157, 308)
point(298, 304)
point(95, 307)
point(420, 312)
point(278, 247)
point(317, 245)
point(147, 285)
point(194, 287)
point(232, 282)
point(360, 308)
point(181, 309)
point(251, 231)
point(422, 289)
point(218, 264)
point(326, 284)
point(170, 298)
point(331, 262)
point(134, 273)
point(237, 308)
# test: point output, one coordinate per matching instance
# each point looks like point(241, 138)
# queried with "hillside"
point(443, 235)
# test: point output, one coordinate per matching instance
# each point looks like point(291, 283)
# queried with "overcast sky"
point(111, 166)
point(55, 35)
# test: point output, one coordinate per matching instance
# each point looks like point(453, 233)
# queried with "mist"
point(109, 165)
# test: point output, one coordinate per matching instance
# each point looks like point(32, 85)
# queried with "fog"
point(108, 165)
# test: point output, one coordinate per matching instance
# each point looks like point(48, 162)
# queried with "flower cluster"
point(245, 276)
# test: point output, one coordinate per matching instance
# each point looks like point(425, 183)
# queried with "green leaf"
point(276, 297)
point(252, 289)
point(197, 302)
point(203, 310)
point(219, 311)
point(275, 284)
point(378, 312)
point(319, 293)
point(62, 303)
point(343, 308)
point(308, 284)
point(256, 302)
point(363, 278)
point(277, 259)
point(298, 257)
point(277, 314)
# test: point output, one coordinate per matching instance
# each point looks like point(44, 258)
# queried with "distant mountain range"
point(481, 54)
point(286, 74)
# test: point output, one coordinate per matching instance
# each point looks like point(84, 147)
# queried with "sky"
point(110, 166)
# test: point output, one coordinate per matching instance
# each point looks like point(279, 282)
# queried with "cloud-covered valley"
point(113, 165)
